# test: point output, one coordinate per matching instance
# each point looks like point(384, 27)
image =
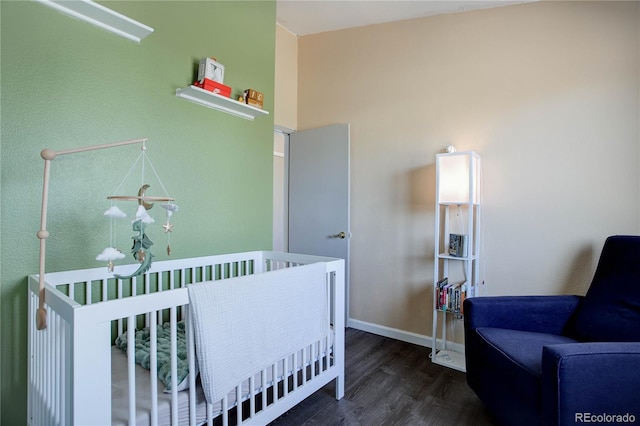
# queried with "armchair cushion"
point(511, 360)
point(590, 378)
point(521, 349)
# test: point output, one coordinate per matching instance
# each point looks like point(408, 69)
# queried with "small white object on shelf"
point(221, 103)
point(100, 16)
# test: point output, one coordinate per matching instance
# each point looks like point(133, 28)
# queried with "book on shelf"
point(449, 297)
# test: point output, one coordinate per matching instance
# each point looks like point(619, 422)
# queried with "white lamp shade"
point(457, 176)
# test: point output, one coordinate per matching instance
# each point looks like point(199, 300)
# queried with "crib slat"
point(48, 391)
point(209, 414)
point(30, 360)
point(323, 354)
point(119, 296)
point(327, 351)
point(153, 366)
point(225, 411)
point(285, 376)
point(40, 379)
point(49, 388)
point(55, 324)
point(304, 365)
point(252, 401)
point(274, 372)
point(52, 364)
point(147, 283)
point(174, 366)
point(316, 355)
point(87, 290)
point(191, 354)
point(105, 288)
point(160, 284)
point(239, 404)
point(294, 368)
point(46, 373)
point(34, 371)
point(131, 365)
point(264, 389)
point(36, 365)
point(63, 388)
point(147, 290)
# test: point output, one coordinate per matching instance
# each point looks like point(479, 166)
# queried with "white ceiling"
point(303, 17)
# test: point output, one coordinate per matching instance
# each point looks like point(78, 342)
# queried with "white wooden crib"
point(78, 377)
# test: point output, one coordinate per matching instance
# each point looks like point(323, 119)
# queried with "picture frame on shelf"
point(211, 69)
point(458, 245)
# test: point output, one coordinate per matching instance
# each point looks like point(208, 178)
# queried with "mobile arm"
point(49, 155)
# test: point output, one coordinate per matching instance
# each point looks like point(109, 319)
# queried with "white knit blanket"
point(245, 324)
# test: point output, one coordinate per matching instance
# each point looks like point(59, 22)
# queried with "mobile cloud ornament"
point(109, 255)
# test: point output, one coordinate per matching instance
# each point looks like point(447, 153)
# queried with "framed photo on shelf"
point(211, 69)
point(458, 245)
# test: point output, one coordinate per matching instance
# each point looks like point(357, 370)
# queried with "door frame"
point(286, 132)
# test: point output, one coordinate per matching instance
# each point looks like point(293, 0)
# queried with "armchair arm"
point(543, 314)
point(582, 381)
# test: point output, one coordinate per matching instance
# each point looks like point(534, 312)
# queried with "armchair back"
point(610, 311)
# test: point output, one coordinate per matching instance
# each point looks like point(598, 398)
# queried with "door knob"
point(341, 235)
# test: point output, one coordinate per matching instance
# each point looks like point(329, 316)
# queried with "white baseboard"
point(402, 335)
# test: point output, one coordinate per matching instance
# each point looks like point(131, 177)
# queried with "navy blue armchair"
point(561, 360)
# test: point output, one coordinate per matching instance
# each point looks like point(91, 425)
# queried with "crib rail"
point(89, 308)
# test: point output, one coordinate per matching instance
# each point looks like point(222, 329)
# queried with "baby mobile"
point(141, 249)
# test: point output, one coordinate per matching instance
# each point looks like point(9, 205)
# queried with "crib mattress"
point(120, 399)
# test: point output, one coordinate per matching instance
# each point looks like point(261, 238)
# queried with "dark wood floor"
point(389, 382)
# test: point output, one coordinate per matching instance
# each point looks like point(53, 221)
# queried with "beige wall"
point(286, 79)
point(546, 93)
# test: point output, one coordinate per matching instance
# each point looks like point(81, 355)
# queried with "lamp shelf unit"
point(221, 103)
point(457, 209)
point(102, 17)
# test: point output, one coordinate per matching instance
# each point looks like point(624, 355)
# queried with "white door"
point(319, 187)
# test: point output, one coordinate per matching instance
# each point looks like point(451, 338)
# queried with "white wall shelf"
point(221, 103)
point(102, 17)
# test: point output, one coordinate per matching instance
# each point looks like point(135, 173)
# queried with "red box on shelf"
point(212, 86)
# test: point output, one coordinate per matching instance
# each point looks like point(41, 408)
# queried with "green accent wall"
point(66, 84)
